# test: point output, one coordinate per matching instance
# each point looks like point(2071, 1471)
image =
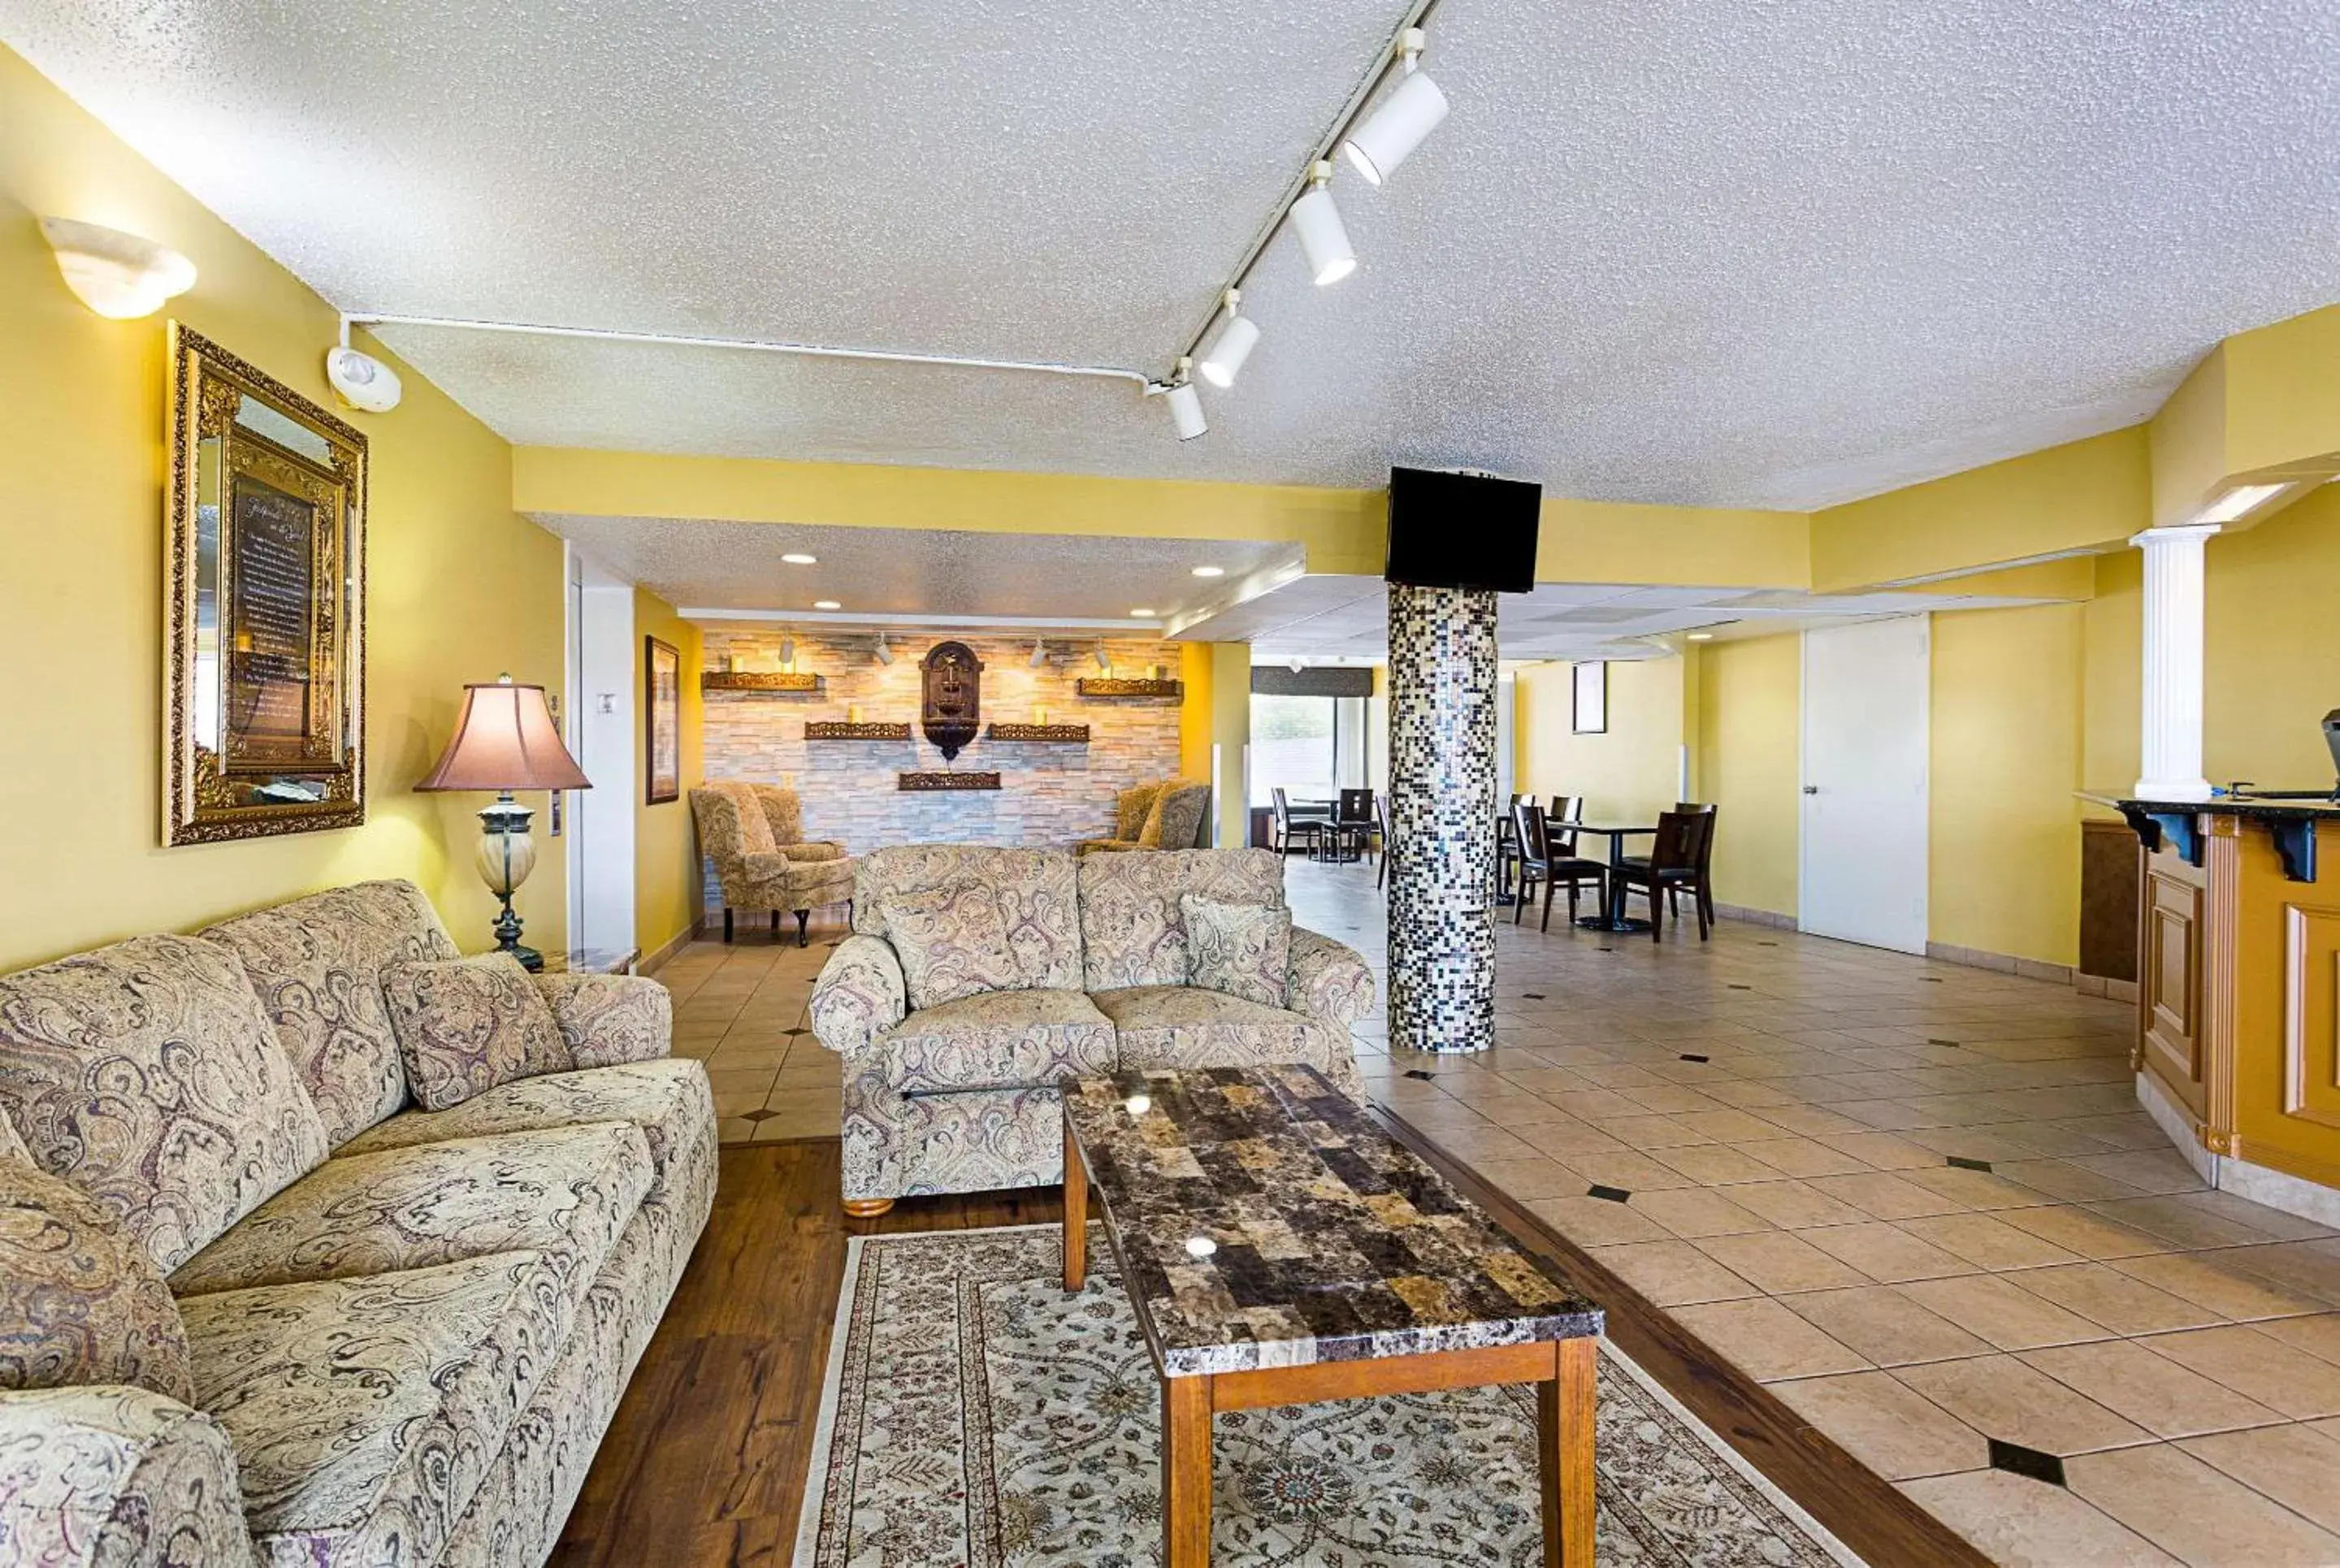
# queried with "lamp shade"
point(505, 739)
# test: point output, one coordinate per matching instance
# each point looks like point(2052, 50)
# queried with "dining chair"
point(1285, 829)
point(1704, 811)
point(1352, 822)
point(1543, 864)
point(1382, 815)
point(1672, 863)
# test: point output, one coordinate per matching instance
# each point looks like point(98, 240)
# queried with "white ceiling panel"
point(1706, 253)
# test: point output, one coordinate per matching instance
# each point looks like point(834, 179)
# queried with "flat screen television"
point(1462, 530)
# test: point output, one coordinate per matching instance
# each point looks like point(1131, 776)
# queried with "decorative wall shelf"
point(1076, 734)
point(928, 782)
point(830, 730)
point(767, 682)
point(1111, 687)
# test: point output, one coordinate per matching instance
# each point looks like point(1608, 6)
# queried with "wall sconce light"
point(118, 275)
point(789, 654)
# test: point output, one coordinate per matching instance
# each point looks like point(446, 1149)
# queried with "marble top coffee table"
point(1281, 1248)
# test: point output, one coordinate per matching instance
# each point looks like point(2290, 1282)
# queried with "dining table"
point(1612, 917)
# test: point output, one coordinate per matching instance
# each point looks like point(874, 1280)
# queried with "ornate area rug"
point(976, 1414)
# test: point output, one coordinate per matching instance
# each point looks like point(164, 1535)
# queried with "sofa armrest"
point(606, 1020)
point(860, 993)
point(1328, 981)
point(814, 851)
point(117, 1475)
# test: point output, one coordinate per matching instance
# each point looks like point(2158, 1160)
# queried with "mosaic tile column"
point(1442, 787)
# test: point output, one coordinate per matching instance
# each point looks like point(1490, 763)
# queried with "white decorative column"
point(2170, 752)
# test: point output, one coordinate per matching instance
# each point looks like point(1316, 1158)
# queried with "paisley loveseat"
point(962, 1096)
point(391, 1336)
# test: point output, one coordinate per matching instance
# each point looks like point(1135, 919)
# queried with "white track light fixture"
point(1322, 237)
point(788, 653)
point(362, 380)
point(1404, 119)
point(1039, 653)
point(885, 654)
point(1104, 659)
point(1185, 403)
point(1225, 358)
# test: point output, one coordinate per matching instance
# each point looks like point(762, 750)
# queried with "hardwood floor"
point(705, 1462)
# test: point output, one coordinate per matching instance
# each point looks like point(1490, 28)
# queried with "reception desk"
point(2238, 993)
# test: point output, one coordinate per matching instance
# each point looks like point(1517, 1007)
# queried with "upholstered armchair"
point(1166, 814)
point(754, 833)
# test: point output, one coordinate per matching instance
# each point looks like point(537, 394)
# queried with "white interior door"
point(1865, 783)
point(602, 726)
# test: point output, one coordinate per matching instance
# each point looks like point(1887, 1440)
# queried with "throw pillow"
point(1241, 949)
point(80, 1303)
point(466, 1024)
point(953, 943)
point(146, 1075)
point(1149, 832)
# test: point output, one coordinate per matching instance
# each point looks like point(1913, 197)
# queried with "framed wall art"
point(1591, 696)
point(263, 618)
point(662, 722)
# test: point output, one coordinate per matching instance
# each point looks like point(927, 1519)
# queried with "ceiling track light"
point(1039, 653)
point(1104, 659)
point(1225, 358)
point(1185, 403)
point(1323, 239)
point(1391, 133)
point(789, 652)
point(885, 654)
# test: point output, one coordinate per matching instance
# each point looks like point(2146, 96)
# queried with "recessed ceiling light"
point(1141, 613)
point(827, 604)
point(798, 558)
point(2236, 501)
point(1210, 571)
point(1702, 636)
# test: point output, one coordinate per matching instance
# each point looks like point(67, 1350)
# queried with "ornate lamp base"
point(506, 855)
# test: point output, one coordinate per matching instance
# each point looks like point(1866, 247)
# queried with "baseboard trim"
point(2124, 991)
point(1755, 917)
point(657, 960)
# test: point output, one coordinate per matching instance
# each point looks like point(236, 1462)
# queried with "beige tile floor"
point(2069, 1288)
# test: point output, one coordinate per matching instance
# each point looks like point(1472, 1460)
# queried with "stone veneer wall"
point(1441, 786)
point(1050, 794)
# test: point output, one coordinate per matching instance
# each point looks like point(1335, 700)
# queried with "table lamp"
point(505, 739)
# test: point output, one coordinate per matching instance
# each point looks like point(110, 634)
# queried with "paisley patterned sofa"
point(391, 1337)
point(962, 1098)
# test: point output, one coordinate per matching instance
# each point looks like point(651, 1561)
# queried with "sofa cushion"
point(952, 943)
point(80, 1302)
point(1039, 898)
point(1240, 949)
point(1000, 1038)
point(1132, 931)
point(317, 964)
point(1131, 807)
point(365, 1411)
point(668, 1100)
point(1182, 1027)
point(146, 1075)
point(112, 1476)
point(566, 1192)
point(466, 1024)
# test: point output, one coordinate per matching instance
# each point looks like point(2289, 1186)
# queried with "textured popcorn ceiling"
point(704, 564)
point(1714, 251)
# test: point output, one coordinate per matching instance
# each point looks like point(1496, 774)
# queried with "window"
point(1294, 748)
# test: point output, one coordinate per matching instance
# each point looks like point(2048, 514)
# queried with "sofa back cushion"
point(1238, 949)
point(953, 943)
point(783, 813)
point(80, 1303)
point(146, 1075)
point(316, 964)
point(1133, 932)
point(1039, 898)
point(466, 1025)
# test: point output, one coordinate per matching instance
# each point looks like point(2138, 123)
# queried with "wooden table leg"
point(1186, 1473)
point(1564, 1416)
point(1076, 1213)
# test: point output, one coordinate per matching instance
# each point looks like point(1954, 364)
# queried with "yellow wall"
point(1628, 774)
point(667, 890)
point(1750, 736)
point(2272, 647)
point(2004, 826)
point(460, 588)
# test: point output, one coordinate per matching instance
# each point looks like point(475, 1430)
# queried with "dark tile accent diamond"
point(761, 1114)
point(1607, 950)
point(1939, 1042)
point(1613, 1194)
point(1965, 1164)
point(1420, 1073)
point(1693, 1056)
point(1735, 986)
point(2018, 1460)
point(1533, 996)
point(1931, 979)
point(1767, 943)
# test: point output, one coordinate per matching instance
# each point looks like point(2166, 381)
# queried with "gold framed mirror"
point(263, 622)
